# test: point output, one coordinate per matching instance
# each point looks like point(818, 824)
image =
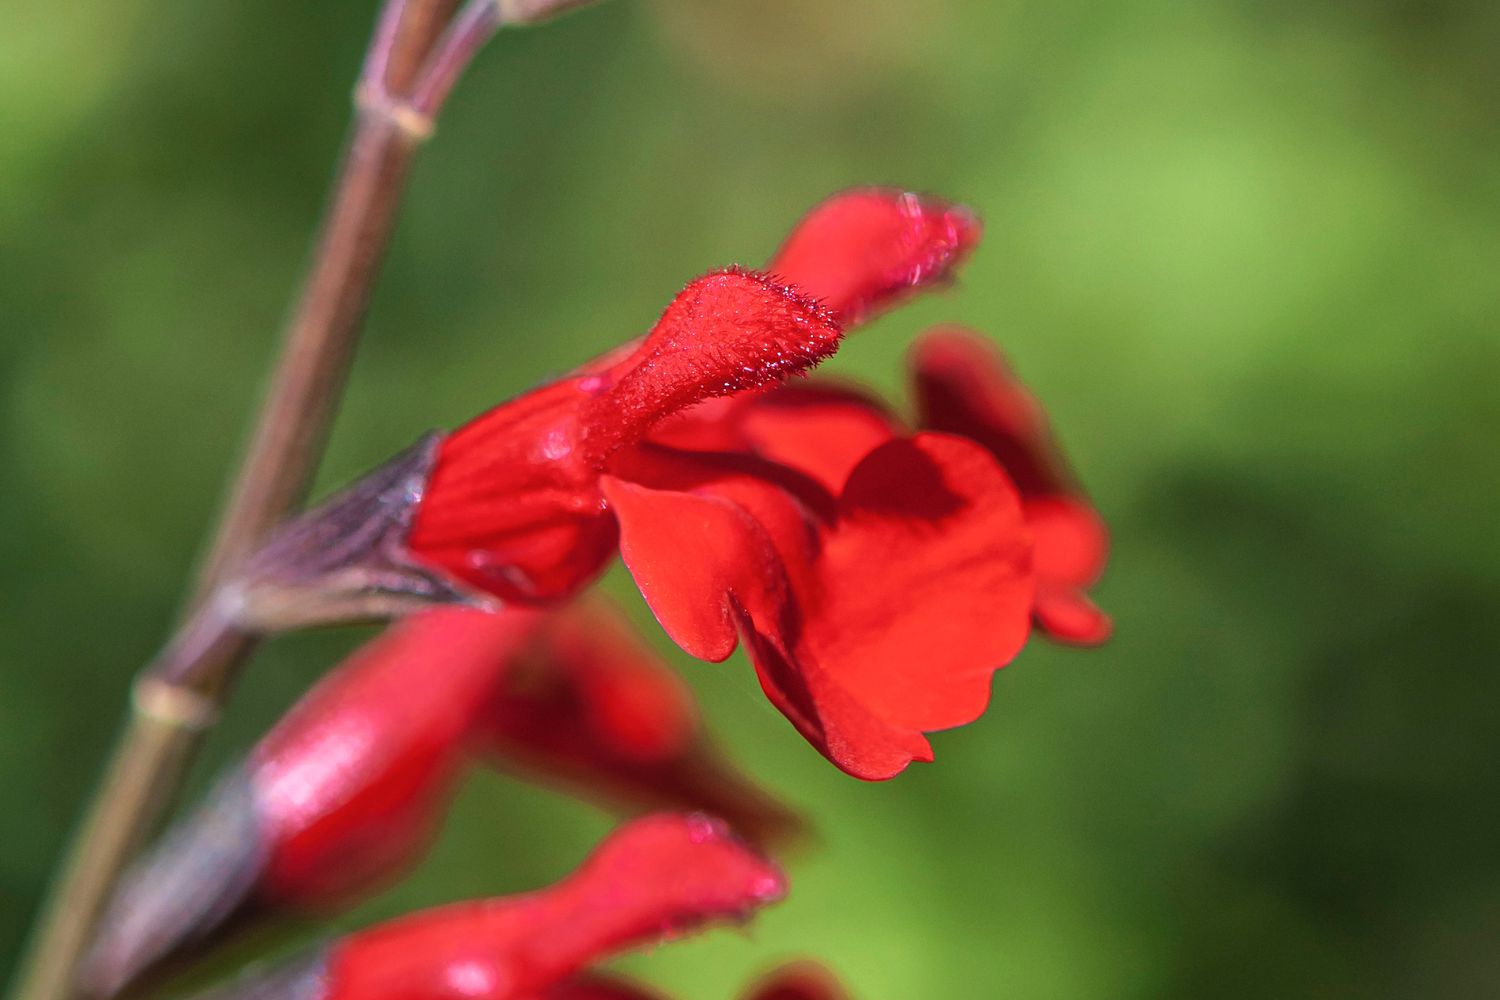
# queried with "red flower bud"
point(963, 386)
point(351, 783)
point(341, 795)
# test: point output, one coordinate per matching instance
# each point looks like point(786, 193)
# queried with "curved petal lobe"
point(861, 250)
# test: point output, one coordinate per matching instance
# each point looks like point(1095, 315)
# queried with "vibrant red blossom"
point(878, 579)
point(596, 707)
point(514, 506)
point(658, 876)
point(862, 250)
point(963, 386)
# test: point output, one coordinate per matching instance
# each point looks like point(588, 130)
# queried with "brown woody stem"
point(167, 718)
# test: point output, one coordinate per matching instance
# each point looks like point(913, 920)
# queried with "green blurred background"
point(1246, 251)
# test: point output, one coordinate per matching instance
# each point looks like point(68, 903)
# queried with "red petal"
point(724, 333)
point(862, 249)
point(657, 876)
point(710, 536)
point(598, 709)
point(820, 430)
point(939, 525)
point(867, 628)
point(800, 981)
point(964, 387)
point(1071, 545)
point(350, 784)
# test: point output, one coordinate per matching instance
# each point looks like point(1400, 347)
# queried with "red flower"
point(963, 386)
point(878, 580)
point(657, 877)
point(595, 707)
point(347, 790)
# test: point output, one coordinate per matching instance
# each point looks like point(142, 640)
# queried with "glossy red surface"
point(351, 783)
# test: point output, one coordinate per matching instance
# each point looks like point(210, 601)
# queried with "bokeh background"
point(1246, 251)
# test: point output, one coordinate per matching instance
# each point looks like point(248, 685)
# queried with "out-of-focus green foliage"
point(1247, 252)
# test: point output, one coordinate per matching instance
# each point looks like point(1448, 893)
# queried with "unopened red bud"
point(342, 795)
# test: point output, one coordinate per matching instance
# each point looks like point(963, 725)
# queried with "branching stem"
point(167, 718)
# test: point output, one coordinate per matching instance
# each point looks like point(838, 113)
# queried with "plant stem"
point(166, 721)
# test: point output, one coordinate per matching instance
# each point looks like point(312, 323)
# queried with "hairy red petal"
point(350, 783)
point(724, 333)
point(657, 876)
point(861, 250)
point(867, 628)
point(963, 386)
point(799, 981)
point(598, 709)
